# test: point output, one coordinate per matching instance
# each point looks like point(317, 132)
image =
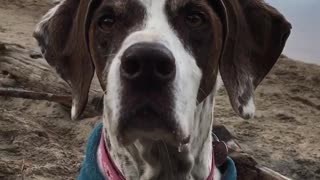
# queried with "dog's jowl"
point(158, 62)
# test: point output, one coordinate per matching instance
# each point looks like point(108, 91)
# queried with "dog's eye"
point(195, 19)
point(107, 21)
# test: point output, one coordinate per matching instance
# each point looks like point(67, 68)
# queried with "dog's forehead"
point(151, 6)
point(172, 4)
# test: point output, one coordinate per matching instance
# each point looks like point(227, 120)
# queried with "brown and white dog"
point(157, 62)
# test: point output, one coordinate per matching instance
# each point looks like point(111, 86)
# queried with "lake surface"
point(304, 15)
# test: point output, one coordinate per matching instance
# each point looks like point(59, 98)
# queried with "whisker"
point(202, 90)
point(167, 151)
point(109, 55)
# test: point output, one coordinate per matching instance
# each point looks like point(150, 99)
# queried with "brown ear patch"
point(256, 37)
point(62, 37)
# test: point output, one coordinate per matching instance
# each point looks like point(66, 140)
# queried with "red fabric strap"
point(213, 165)
point(110, 170)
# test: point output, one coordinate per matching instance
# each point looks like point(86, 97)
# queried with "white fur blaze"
point(188, 77)
point(249, 109)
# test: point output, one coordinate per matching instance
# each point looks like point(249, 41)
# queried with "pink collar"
point(111, 171)
point(108, 167)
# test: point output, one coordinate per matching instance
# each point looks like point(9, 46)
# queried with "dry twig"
point(20, 93)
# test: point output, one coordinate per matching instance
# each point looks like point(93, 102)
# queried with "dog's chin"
point(150, 126)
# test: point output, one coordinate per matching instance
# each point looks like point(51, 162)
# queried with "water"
point(304, 15)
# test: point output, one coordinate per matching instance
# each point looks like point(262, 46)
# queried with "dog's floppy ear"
point(256, 36)
point(62, 37)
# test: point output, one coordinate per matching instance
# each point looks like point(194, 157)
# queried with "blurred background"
point(304, 15)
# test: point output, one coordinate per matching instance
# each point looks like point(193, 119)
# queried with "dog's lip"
point(184, 144)
point(146, 116)
point(142, 109)
point(185, 140)
point(181, 138)
point(146, 110)
point(146, 121)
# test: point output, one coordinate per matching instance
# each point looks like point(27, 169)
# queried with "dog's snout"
point(148, 62)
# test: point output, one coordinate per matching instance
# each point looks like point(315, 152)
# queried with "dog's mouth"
point(151, 122)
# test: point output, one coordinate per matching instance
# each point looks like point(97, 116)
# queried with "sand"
point(39, 141)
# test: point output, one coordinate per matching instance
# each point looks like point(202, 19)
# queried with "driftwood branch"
point(19, 93)
point(247, 167)
point(25, 74)
point(19, 70)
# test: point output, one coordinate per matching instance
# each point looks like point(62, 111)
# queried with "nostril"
point(164, 69)
point(131, 68)
point(148, 62)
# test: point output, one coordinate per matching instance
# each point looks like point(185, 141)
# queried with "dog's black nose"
point(148, 62)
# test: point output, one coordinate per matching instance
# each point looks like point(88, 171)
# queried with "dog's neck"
point(157, 160)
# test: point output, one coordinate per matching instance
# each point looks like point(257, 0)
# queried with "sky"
point(304, 41)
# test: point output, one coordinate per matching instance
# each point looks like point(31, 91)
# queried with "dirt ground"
point(39, 141)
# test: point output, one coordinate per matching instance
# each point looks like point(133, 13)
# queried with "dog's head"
point(157, 59)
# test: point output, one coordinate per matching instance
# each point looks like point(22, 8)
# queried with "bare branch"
point(20, 93)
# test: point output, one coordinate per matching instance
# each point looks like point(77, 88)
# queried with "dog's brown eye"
point(107, 21)
point(195, 19)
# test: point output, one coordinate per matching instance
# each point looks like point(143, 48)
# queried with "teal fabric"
point(231, 171)
point(90, 169)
